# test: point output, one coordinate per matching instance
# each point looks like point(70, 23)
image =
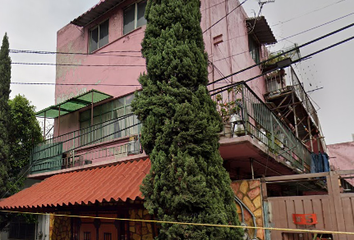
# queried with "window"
point(109, 121)
point(134, 16)
point(98, 36)
point(254, 48)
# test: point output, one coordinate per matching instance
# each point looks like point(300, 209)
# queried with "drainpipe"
point(252, 171)
point(242, 205)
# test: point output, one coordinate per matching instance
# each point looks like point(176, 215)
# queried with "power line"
point(250, 67)
point(286, 52)
point(223, 88)
point(285, 38)
point(76, 84)
point(108, 53)
point(76, 65)
point(315, 10)
point(224, 16)
point(318, 26)
point(70, 53)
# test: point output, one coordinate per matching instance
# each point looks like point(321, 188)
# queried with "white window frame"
point(135, 15)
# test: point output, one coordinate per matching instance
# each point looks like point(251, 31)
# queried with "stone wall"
point(59, 228)
point(249, 192)
point(140, 230)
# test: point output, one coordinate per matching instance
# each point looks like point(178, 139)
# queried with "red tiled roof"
point(117, 182)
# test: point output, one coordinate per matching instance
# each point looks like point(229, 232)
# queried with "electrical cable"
point(285, 38)
point(318, 26)
point(69, 53)
point(235, 73)
point(77, 84)
point(224, 16)
point(315, 10)
point(250, 79)
point(138, 51)
point(284, 53)
point(76, 65)
point(223, 88)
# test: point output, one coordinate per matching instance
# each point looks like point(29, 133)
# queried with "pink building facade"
point(114, 67)
point(99, 62)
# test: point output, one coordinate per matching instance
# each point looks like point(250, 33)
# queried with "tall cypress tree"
point(5, 116)
point(187, 182)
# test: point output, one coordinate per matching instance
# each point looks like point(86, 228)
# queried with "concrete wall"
point(341, 155)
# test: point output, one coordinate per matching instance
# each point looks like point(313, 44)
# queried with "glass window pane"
point(103, 34)
point(93, 39)
point(141, 11)
point(129, 17)
point(129, 99)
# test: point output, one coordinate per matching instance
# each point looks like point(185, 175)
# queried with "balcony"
point(256, 135)
point(287, 97)
point(252, 132)
point(114, 139)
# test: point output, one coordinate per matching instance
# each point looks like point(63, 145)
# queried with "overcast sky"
point(32, 25)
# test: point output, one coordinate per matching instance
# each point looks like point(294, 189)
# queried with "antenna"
point(260, 3)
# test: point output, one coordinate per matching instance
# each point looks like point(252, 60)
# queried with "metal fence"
point(49, 155)
point(252, 117)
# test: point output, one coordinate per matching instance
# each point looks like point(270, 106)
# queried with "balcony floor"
point(237, 153)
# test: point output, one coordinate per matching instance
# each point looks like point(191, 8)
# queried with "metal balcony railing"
point(248, 115)
point(60, 152)
point(304, 98)
point(276, 83)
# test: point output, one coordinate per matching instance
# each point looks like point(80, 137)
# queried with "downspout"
point(242, 205)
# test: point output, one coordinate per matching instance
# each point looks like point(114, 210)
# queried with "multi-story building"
point(94, 164)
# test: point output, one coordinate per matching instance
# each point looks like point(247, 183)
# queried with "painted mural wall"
point(251, 213)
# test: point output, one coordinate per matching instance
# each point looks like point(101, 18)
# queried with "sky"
point(32, 25)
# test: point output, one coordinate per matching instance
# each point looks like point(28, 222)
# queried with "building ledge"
point(105, 163)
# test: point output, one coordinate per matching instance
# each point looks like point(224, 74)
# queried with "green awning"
point(73, 104)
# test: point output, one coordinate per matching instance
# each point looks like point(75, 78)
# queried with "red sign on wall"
point(305, 219)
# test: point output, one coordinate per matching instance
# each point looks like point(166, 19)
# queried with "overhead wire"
point(76, 84)
point(108, 53)
point(223, 88)
point(70, 53)
point(302, 15)
point(318, 26)
point(286, 52)
point(76, 65)
point(227, 14)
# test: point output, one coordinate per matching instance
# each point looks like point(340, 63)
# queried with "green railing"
point(246, 114)
point(59, 152)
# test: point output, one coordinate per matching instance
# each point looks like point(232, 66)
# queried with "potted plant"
point(230, 114)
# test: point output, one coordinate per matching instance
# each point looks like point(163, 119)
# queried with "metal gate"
point(334, 211)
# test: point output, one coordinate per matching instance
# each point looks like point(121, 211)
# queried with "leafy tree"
point(187, 182)
point(25, 133)
point(5, 78)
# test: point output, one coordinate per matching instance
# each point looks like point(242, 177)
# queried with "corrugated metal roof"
point(95, 12)
point(259, 27)
point(73, 104)
point(111, 183)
